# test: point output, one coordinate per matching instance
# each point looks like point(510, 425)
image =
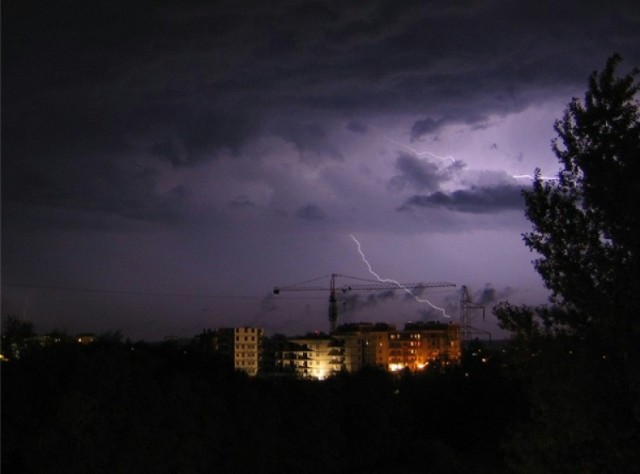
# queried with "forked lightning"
point(394, 282)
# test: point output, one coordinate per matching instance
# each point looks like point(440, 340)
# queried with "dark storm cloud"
point(184, 83)
point(490, 295)
point(310, 139)
point(430, 314)
point(188, 137)
point(242, 202)
point(155, 143)
point(96, 183)
point(422, 174)
point(268, 304)
point(476, 200)
point(430, 126)
point(311, 212)
point(357, 127)
point(330, 54)
point(425, 127)
point(352, 301)
point(482, 298)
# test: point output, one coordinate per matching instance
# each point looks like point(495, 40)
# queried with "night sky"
point(183, 158)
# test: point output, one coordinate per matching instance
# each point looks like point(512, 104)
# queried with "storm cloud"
point(422, 174)
point(166, 146)
point(475, 200)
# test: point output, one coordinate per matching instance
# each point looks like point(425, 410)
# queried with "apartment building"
point(317, 356)
point(414, 348)
point(243, 345)
point(365, 344)
point(422, 344)
point(351, 348)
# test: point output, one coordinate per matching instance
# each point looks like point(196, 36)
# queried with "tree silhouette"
point(15, 336)
point(580, 356)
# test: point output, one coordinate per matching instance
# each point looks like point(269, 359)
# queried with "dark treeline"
point(117, 407)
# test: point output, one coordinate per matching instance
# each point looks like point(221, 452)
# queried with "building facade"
point(365, 345)
point(243, 345)
point(318, 356)
point(247, 349)
point(350, 348)
point(422, 344)
point(414, 348)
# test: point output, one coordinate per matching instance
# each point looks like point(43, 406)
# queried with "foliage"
point(126, 408)
point(15, 336)
point(585, 225)
point(579, 356)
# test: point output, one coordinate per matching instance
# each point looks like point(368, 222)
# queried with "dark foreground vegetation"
point(116, 407)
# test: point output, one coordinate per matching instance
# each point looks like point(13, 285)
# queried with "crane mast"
point(333, 304)
point(370, 285)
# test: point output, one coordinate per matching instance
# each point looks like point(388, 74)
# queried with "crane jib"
point(371, 285)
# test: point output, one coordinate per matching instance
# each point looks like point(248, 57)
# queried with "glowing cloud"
point(421, 153)
point(528, 176)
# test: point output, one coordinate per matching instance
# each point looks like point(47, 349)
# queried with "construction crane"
point(368, 284)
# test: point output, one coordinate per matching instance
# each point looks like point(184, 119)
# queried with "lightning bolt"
point(394, 282)
point(528, 176)
point(421, 153)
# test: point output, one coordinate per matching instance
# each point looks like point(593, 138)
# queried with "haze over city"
point(165, 166)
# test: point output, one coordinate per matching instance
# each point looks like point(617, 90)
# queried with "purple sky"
point(220, 149)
